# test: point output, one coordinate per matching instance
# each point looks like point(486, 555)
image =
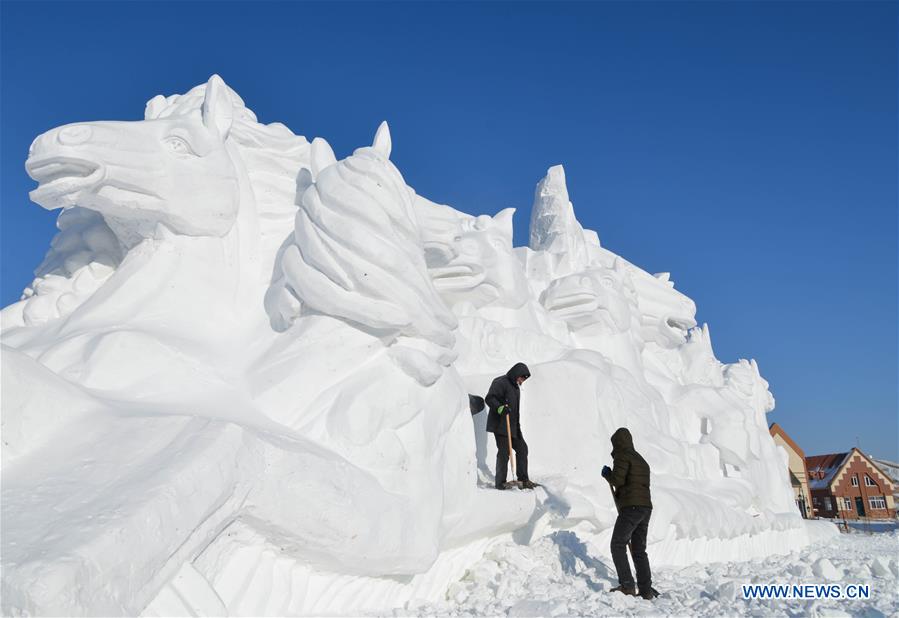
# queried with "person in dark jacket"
point(504, 398)
point(629, 479)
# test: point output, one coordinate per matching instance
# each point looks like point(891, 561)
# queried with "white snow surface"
point(568, 574)
point(239, 382)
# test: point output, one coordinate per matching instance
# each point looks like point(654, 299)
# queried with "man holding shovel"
point(629, 480)
point(503, 398)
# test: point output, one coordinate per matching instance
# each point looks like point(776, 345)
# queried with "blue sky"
point(748, 148)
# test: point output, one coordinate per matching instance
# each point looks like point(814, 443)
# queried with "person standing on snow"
point(503, 398)
point(630, 486)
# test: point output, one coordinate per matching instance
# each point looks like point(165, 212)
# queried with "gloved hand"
point(502, 409)
point(606, 472)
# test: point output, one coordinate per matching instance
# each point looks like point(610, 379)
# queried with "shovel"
point(618, 510)
point(511, 453)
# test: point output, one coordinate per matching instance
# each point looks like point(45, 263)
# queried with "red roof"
point(822, 468)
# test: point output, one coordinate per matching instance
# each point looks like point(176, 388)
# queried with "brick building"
point(848, 486)
point(891, 468)
point(797, 470)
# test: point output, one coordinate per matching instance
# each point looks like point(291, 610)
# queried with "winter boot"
point(528, 485)
point(628, 590)
point(650, 594)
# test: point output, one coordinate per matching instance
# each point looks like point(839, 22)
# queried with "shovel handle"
point(618, 508)
point(511, 452)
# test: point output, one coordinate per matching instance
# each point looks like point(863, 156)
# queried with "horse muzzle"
point(58, 160)
point(61, 179)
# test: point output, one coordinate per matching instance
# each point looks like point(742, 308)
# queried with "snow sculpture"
point(613, 366)
point(241, 376)
point(474, 263)
point(554, 228)
point(352, 284)
point(603, 299)
point(357, 254)
point(80, 259)
point(180, 203)
point(177, 171)
point(140, 365)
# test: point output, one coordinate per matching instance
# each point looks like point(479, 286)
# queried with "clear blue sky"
point(749, 148)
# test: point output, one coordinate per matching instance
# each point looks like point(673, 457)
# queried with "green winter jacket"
point(630, 472)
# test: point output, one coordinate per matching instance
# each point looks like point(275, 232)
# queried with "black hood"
point(517, 371)
point(622, 440)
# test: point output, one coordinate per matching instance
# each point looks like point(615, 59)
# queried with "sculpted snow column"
point(554, 228)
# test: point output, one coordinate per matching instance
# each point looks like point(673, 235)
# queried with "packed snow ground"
point(562, 575)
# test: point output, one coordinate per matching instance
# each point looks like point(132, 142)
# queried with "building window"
point(877, 502)
point(869, 482)
point(855, 480)
point(828, 505)
point(847, 504)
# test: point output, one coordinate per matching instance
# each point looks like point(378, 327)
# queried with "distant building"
point(891, 468)
point(849, 485)
point(797, 470)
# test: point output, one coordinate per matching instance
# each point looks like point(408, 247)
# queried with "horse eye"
point(179, 146)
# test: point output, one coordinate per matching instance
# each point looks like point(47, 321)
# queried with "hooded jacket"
point(504, 391)
point(630, 472)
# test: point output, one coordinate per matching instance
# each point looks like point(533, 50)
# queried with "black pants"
point(502, 458)
point(631, 526)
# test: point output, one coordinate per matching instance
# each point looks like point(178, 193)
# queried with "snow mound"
point(825, 569)
point(566, 573)
point(240, 382)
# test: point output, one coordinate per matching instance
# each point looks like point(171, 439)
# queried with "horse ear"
point(304, 181)
point(154, 107)
point(503, 221)
point(382, 142)
point(218, 111)
point(322, 156)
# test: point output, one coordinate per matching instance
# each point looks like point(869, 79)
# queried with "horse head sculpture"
point(174, 170)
